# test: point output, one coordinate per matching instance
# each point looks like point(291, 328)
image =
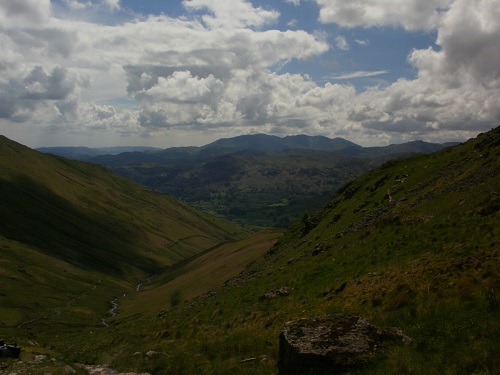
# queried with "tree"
point(175, 298)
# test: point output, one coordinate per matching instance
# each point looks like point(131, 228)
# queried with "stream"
point(112, 311)
point(114, 303)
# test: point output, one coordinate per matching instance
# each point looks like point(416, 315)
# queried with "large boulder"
point(331, 344)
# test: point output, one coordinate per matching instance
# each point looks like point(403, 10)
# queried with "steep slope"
point(76, 210)
point(412, 244)
point(72, 235)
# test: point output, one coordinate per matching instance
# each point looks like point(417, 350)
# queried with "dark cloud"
point(34, 10)
point(40, 85)
point(7, 106)
point(19, 97)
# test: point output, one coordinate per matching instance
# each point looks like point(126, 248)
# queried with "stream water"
point(114, 303)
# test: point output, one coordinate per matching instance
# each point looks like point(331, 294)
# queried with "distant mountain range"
point(255, 142)
point(257, 180)
point(84, 153)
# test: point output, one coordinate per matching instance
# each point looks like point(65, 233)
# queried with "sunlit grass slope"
point(197, 276)
point(413, 244)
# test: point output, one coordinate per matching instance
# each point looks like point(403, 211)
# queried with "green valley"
point(412, 244)
point(74, 236)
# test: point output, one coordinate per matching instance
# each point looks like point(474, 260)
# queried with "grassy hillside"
point(85, 215)
point(413, 244)
point(197, 276)
point(73, 236)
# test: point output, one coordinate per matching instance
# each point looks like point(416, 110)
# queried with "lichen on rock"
point(331, 344)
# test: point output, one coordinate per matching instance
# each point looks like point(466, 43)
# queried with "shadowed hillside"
point(73, 236)
point(85, 215)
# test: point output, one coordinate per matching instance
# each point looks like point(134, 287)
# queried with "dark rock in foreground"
point(331, 344)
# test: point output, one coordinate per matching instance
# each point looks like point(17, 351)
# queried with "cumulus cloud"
point(179, 71)
point(215, 69)
point(21, 96)
point(40, 85)
point(457, 86)
point(182, 87)
point(469, 35)
point(239, 14)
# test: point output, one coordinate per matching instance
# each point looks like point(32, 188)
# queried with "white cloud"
point(182, 87)
point(457, 90)
point(341, 43)
point(357, 74)
point(293, 2)
point(213, 72)
point(469, 36)
point(409, 14)
point(77, 4)
point(240, 13)
point(112, 4)
point(181, 72)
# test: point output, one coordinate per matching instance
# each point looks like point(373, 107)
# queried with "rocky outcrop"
point(282, 292)
point(332, 344)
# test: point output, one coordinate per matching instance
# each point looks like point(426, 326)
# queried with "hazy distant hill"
point(258, 180)
point(263, 142)
point(85, 153)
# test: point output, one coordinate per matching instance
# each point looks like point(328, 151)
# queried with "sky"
point(167, 73)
